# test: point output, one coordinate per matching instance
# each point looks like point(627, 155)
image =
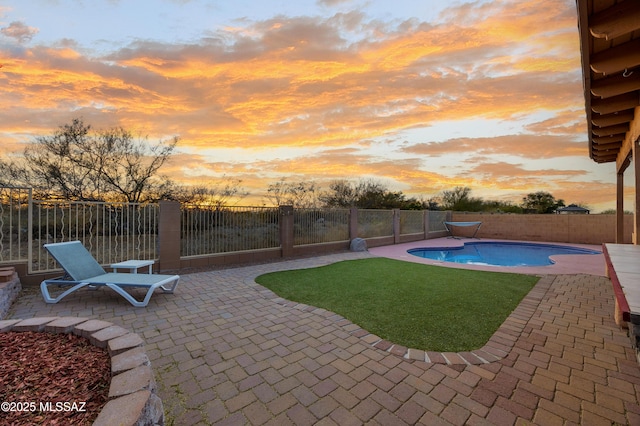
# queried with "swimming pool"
point(499, 253)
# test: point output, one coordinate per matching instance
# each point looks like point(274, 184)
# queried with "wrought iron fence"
point(14, 224)
point(314, 226)
point(211, 230)
point(112, 232)
point(411, 222)
point(436, 220)
point(375, 223)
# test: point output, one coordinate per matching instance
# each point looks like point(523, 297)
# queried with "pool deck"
point(565, 264)
point(227, 351)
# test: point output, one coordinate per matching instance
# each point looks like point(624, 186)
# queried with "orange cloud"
point(333, 84)
point(526, 146)
point(263, 87)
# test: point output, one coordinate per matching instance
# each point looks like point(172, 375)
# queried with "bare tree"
point(298, 194)
point(77, 164)
point(11, 175)
point(127, 166)
point(342, 193)
point(366, 194)
point(460, 199)
point(217, 194)
point(51, 164)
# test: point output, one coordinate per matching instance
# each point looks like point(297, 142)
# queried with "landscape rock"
point(358, 244)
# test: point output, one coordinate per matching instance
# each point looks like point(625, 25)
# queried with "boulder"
point(358, 244)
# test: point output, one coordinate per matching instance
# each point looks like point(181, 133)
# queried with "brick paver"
point(225, 350)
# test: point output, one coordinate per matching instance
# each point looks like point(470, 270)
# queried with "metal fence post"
point(30, 231)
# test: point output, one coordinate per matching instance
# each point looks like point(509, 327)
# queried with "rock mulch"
point(131, 397)
point(62, 370)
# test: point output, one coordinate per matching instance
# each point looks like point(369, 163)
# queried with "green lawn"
point(419, 306)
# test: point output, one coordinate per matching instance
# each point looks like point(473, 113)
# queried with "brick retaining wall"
point(10, 287)
point(133, 399)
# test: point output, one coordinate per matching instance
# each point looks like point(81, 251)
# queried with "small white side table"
point(133, 265)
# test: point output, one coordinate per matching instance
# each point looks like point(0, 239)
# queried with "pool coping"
point(591, 264)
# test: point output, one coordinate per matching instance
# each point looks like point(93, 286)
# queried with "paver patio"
point(228, 351)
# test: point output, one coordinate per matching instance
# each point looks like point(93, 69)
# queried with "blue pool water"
point(499, 253)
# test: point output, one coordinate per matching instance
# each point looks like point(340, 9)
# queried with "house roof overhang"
point(610, 45)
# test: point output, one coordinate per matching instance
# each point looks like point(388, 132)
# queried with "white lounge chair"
point(82, 270)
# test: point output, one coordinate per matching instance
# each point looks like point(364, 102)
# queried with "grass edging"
point(497, 346)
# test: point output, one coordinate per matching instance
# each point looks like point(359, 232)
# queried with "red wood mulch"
point(44, 369)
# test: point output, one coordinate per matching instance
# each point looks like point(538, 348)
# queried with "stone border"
point(498, 346)
point(10, 287)
point(133, 398)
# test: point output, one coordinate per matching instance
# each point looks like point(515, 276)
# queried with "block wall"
point(577, 229)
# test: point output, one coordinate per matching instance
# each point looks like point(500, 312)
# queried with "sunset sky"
point(422, 95)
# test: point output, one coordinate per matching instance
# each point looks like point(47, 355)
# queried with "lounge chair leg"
point(47, 296)
point(122, 292)
point(140, 304)
point(172, 288)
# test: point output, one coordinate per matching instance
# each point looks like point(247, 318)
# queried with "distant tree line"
point(371, 194)
point(364, 194)
point(79, 163)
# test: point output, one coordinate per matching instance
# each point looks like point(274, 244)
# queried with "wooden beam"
point(616, 85)
point(625, 164)
point(607, 148)
point(620, 19)
point(632, 136)
point(620, 208)
point(602, 153)
point(606, 154)
point(599, 140)
point(636, 211)
point(615, 104)
point(600, 160)
point(617, 59)
point(610, 130)
point(608, 142)
point(585, 41)
point(603, 160)
point(612, 119)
